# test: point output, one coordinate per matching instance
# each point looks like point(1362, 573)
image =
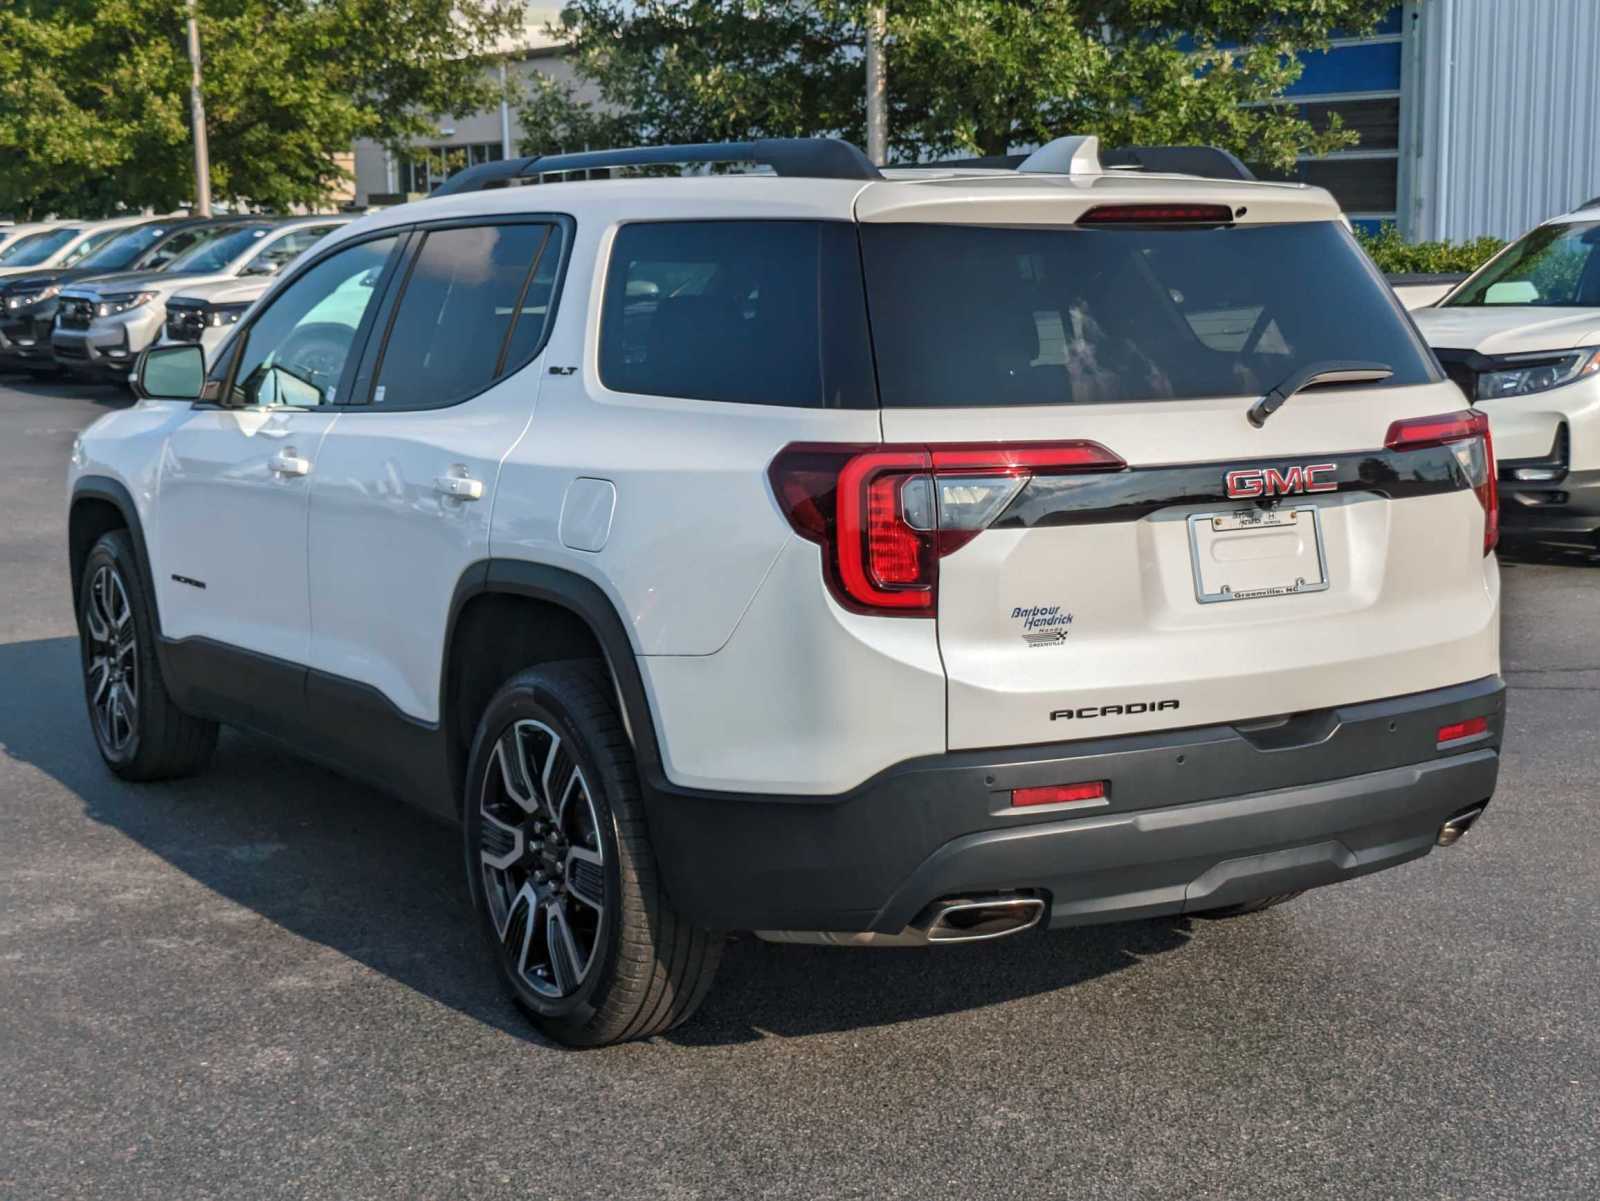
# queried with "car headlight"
point(225, 314)
point(1522, 374)
point(121, 302)
point(21, 300)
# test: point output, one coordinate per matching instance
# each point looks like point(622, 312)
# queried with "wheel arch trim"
point(112, 491)
point(586, 601)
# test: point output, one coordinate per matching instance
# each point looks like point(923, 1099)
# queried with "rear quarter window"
point(744, 312)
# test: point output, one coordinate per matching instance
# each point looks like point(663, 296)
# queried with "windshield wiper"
point(1315, 375)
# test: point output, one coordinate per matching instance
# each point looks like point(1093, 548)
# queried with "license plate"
point(1248, 554)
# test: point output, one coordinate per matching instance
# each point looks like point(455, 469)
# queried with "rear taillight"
point(1467, 435)
point(885, 515)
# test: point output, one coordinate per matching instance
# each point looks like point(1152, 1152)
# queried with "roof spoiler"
point(1081, 155)
point(803, 158)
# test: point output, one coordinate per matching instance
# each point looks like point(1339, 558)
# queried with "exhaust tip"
point(976, 919)
point(1450, 833)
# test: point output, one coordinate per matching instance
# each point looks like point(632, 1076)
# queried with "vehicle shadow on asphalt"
point(346, 866)
point(104, 394)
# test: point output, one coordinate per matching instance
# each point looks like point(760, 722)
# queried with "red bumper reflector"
point(1470, 728)
point(1059, 794)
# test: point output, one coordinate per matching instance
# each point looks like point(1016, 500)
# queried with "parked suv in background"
point(1521, 336)
point(849, 556)
point(102, 324)
point(61, 245)
point(205, 314)
point(29, 299)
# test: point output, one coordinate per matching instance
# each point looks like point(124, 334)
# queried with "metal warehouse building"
point(1476, 116)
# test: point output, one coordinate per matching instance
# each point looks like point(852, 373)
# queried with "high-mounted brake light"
point(1467, 435)
point(1157, 214)
point(885, 515)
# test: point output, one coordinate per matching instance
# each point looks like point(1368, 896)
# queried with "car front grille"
point(76, 312)
point(185, 322)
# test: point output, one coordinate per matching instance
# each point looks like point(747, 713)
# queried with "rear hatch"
point(1107, 543)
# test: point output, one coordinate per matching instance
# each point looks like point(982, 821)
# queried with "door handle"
point(286, 462)
point(458, 487)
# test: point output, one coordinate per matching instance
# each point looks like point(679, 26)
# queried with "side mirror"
point(170, 373)
point(261, 267)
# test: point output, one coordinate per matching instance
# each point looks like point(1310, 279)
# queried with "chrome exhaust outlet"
point(1450, 833)
point(977, 919)
point(960, 919)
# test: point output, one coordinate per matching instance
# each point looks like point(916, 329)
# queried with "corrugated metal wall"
point(1504, 129)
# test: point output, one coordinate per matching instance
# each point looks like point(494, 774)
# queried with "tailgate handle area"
point(1290, 730)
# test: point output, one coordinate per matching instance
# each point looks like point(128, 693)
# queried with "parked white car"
point(853, 556)
point(205, 314)
point(1521, 336)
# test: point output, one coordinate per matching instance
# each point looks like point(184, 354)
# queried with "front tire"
point(141, 734)
point(561, 868)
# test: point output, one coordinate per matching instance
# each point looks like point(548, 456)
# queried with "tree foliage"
point(966, 77)
point(1395, 256)
point(94, 94)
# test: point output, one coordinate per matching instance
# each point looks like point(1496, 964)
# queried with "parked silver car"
point(103, 324)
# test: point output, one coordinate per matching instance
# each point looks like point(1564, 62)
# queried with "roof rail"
point(805, 158)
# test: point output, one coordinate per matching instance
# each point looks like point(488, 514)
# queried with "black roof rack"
point(806, 158)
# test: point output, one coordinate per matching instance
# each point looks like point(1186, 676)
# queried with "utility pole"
point(197, 112)
point(877, 88)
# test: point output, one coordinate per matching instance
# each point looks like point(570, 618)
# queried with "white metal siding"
point(1504, 133)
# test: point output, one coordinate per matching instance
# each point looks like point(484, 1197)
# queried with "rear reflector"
point(1467, 434)
point(1157, 214)
point(1456, 731)
point(1059, 794)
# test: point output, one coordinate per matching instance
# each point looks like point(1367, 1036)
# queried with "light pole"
point(877, 88)
point(197, 112)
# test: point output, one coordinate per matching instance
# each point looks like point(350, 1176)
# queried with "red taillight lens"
point(1157, 214)
point(1456, 731)
point(885, 515)
point(1467, 433)
point(1059, 794)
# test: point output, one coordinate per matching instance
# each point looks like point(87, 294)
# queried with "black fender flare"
point(114, 492)
point(586, 601)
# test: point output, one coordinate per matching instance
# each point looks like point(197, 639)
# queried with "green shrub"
point(1395, 256)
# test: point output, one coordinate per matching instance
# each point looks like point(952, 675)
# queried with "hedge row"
point(1395, 256)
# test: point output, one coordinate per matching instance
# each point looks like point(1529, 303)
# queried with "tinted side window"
point(463, 298)
point(753, 312)
point(295, 352)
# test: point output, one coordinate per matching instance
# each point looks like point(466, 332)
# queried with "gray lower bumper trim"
point(1208, 854)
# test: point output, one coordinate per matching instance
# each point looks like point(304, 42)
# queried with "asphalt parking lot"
point(263, 983)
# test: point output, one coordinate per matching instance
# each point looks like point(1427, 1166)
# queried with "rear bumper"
point(1196, 819)
point(1563, 512)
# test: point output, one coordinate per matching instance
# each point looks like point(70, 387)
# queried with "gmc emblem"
point(1252, 482)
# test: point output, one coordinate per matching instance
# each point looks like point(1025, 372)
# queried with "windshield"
point(215, 255)
point(125, 248)
point(36, 248)
point(1555, 266)
point(966, 315)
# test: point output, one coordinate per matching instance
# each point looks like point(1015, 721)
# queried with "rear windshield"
point(966, 316)
point(1554, 266)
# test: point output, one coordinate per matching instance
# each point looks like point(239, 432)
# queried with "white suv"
point(1521, 335)
point(848, 556)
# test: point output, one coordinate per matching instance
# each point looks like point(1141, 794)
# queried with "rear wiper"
point(1314, 375)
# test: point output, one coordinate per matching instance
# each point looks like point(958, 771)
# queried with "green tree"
point(94, 108)
point(965, 76)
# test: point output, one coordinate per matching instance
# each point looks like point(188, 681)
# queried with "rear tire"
point(141, 734)
point(1248, 907)
point(562, 871)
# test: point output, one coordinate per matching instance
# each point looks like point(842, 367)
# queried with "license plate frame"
point(1237, 520)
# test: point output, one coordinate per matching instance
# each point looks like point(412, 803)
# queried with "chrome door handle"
point(286, 462)
point(458, 487)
